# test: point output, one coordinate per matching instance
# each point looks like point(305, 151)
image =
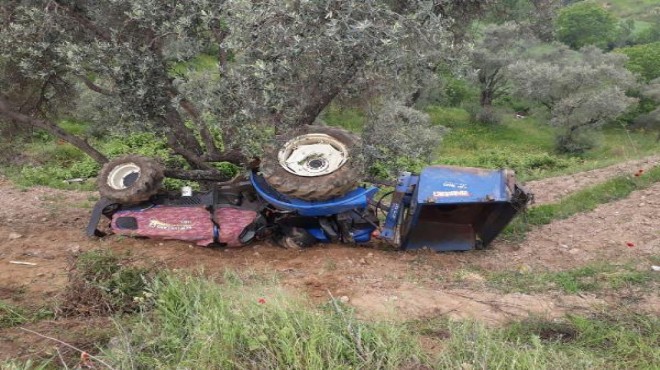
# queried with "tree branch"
point(94, 87)
point(205, 133)
point(82, 19)
point(234, 156)
point(220, 35)
point(321, 100)
point(51, 127)
point(190, 157)
point(196, 175)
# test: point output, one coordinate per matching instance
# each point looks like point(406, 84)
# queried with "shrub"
point(398, 136)
point(502, 158)
point(575, 143)
point(488, 116)
point(101, 283)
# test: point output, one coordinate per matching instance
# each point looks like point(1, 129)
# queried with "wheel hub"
point(123, 176)
point(313, 155)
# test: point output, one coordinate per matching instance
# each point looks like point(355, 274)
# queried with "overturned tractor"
point(309, 191)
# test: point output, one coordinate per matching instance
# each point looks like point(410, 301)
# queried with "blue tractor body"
point(356, 201)
point(444, 208)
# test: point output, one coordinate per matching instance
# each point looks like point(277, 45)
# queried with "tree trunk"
point(324, 98)
point(53, 129)
point(486, 98)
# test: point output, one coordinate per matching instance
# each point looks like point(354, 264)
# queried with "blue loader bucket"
point(460, 208)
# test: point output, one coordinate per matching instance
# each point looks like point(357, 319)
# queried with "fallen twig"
point(68, 345)
point(66, 367)
point(23, 263)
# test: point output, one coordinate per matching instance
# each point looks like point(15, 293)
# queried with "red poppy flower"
point(630, 244)
point(262, 300)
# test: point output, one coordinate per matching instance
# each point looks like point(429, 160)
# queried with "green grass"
point(200, 323)
point(524, 145)
point(24, 365)
point(584, 200)
point(12, 315)
point(202, 62)
point(249, 321)
point(621, 340)
point(53, 162)
point(594, 277)
point(74, 127)
point(634, 9)
point(618, 340)
point(471, 345)
point(348, 118)
point(527, 146)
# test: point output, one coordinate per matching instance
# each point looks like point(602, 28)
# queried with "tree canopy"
point(644, 60)
point(277, 65)
point(582, 90)
point(586, 23)
point(500, 46)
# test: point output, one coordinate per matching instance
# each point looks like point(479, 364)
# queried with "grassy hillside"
point(632, 9)
point(525, 145)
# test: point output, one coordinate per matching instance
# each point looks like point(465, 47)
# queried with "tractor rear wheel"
point(314, 163)
point(130, 179)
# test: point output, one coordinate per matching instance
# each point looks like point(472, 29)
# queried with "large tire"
point(316, 187)
point(130, 179)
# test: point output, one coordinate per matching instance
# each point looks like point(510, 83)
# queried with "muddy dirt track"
point(45, 227)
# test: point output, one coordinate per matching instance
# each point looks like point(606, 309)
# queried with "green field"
point(632, 9)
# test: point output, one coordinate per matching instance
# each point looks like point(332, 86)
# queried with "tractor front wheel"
point(130, 179)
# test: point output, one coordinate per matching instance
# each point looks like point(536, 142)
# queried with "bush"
point(101, 283)
point(457, 91)
point(400, 136)
point(488, 116)
point(576, 143)
point(501, 158)
point(643, 60)
point(483, 115)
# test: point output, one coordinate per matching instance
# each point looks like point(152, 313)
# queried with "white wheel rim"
point(312, 155)
point(119, 173)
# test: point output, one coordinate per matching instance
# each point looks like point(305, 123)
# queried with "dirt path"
point(600, 235)
point(552, 189)
point(45, 227)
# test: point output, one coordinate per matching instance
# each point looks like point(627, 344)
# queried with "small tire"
point(314, 187)
point(130, 179)
point(296, 238)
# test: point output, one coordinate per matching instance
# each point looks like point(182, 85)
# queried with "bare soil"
point(378, 283)
point(550, 190)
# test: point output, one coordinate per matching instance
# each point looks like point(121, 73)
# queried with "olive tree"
point(500, 46)
point(583, 90)
point(650, 120)
point(537, 16)
point(278, 64)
